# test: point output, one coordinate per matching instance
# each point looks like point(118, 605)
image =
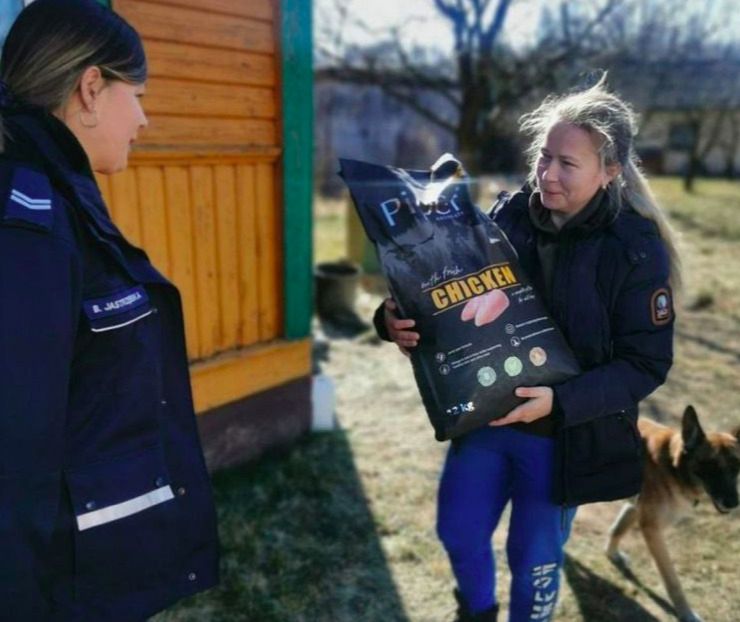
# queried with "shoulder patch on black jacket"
point(661, 307)
point(27, 197)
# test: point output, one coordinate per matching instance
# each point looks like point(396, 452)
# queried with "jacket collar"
point(53, 142)
point(52, 145)
point(597, 214)
point(70, 149)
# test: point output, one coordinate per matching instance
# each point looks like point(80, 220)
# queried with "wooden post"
point(297, 90)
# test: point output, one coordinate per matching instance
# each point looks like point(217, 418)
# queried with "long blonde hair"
point(605, 115)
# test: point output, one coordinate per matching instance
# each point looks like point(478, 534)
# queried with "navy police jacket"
point(611, 297)
point(106, 510)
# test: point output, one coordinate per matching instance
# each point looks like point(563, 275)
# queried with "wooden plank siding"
point(182, 261)
point(153, 215)
point(227, 256)
point(212, 134)
point(246, 193)
point(201, 25)
point(214, 230)
point(190, 99)
point(269, 254)
point(258, 9)
point(205, 251)
point(202, 194)
point(229, 376)
point(205, 65)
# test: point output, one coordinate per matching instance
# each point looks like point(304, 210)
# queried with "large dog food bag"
point(483, 329)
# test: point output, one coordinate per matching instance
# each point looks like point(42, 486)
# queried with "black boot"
point(464, 614)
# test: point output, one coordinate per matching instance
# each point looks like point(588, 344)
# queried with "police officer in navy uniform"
point(600, 251)
point(106, 510)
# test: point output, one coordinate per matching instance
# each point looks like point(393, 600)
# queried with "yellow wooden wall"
point(202, 191)
point(210, 227)
point(213, 71)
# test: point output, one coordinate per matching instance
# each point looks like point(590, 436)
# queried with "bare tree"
point(683, 64)
point(489, 78)
point(486, 77)
point(732, 144)
point(702, 140)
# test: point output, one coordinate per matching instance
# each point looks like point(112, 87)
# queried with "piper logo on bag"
point(440, 208)
point(428, 195)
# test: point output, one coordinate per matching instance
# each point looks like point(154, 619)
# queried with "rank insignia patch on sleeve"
point(661, 308)
point(29, 198)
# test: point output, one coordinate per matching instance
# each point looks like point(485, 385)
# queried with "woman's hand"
point(537, 406)
point(398, 328)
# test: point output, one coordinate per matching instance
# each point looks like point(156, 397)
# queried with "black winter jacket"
point(612, 300)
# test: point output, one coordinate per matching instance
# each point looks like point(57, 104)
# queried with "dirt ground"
point(398, 462)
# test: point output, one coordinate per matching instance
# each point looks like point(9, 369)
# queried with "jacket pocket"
point(597, 444)
point(601, 460)
point(126, 519)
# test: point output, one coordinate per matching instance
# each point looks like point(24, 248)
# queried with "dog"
point(680, 468)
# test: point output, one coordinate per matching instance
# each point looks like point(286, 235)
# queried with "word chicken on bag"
point(483, 329)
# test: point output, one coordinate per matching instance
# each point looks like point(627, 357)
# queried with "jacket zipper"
point(562, 259)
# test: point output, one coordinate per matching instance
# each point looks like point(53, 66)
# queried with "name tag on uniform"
point(30, 198)
point(117, 309)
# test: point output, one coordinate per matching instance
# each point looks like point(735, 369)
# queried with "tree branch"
point(394, 88)
point(488, 38)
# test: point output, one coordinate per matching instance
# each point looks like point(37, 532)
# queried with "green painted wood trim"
point(297, 97)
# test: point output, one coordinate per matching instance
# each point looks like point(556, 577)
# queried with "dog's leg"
point(625, 520)
point(658, 549)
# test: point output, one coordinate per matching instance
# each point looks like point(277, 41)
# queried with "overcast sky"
point(425, 24)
